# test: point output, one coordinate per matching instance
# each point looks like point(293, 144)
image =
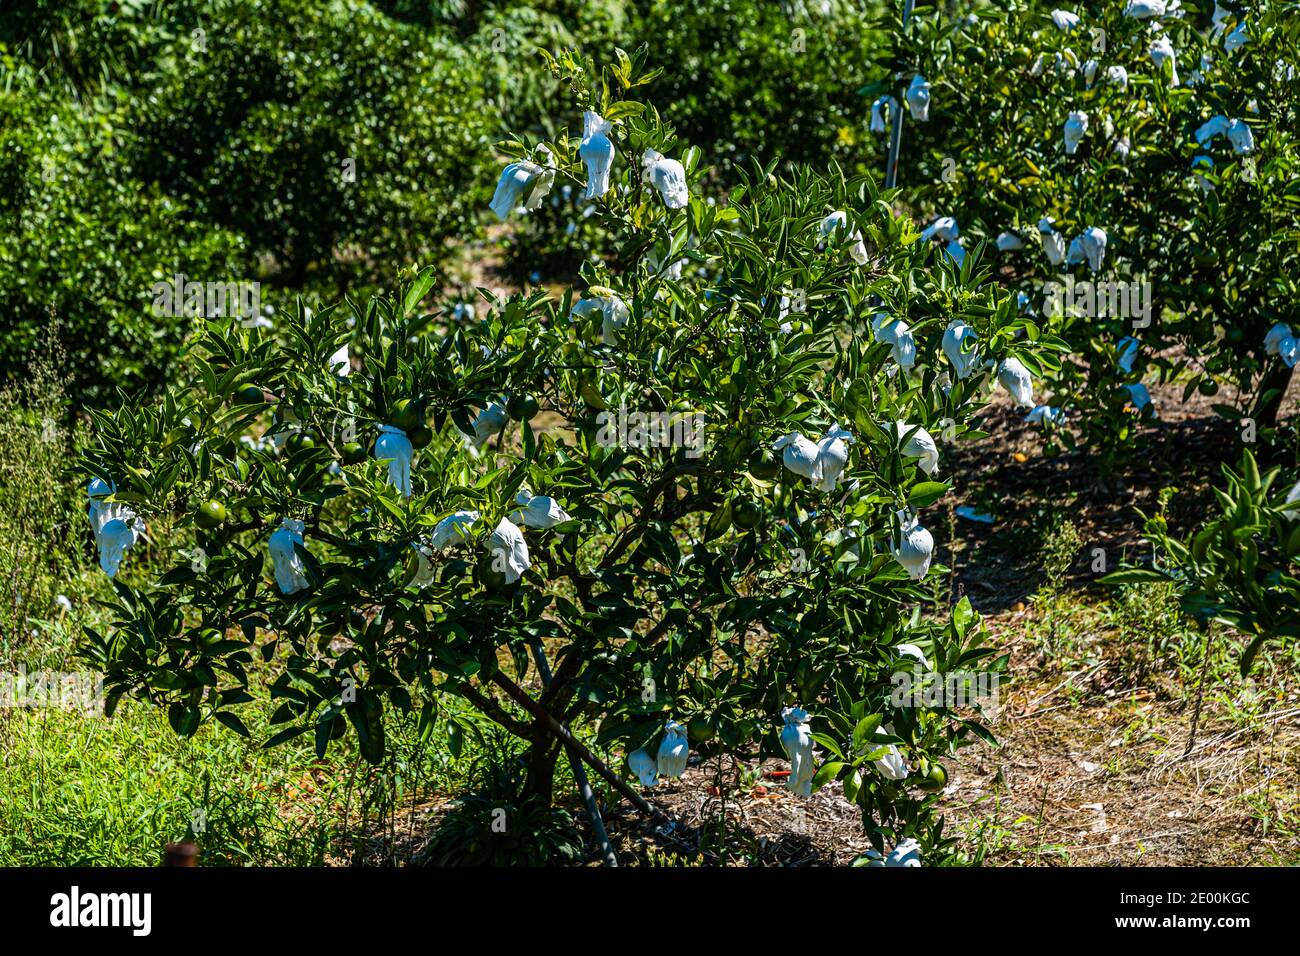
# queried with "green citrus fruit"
point(406, 414)
point(420, 436)
point(487, 575)
point(936, 779)
point(300, 440)
point(522, 408)
point(354, 453)
point(746, 512)
point(764, 465)
point(249, 395)
point(211, 514)
point(700, 729)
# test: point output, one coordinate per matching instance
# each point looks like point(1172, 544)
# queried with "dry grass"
point(1097, 776)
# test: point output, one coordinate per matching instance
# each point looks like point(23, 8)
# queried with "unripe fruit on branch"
point(936, 779)
point(746, 513)
point(701, 729)
point(407, 414)
point(300, 440)
point(764, 465)
point(211, 514)
point(249, 395)
point(522, 407)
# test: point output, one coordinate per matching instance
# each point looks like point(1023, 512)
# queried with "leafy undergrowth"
point(83, 789)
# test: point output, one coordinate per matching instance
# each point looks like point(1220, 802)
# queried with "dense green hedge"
point(776, 81)
point(258, 129)
point(80, 236)
point(221, 154)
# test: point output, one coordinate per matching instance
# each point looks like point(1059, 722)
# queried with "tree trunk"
point(542, 756)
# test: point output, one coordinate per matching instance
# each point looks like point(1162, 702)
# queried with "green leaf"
point(183, 718)
point(233, 722)
point(926, 493)
point(719, 522)
point(284, 736)
point(963, 615)
point(1248, 655)
point(419, 289)
point(1134, 576)
point(826, 773)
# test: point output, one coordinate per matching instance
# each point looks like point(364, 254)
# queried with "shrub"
point(714, 589)
point(1237, 568)
point(1220, 261)
point(80, 238)
point(318, 132)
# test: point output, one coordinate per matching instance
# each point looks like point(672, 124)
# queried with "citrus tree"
point(1135, 163)
point(95, 273)
point(321, 158)
point(699, 484)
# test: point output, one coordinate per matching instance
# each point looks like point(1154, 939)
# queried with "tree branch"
point(490, 708)
point(557, 730)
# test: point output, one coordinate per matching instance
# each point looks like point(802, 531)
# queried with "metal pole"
point(896, 133)
point(579, 771)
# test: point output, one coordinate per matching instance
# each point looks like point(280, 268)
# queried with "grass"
point(94, 791)
point(91, 790)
